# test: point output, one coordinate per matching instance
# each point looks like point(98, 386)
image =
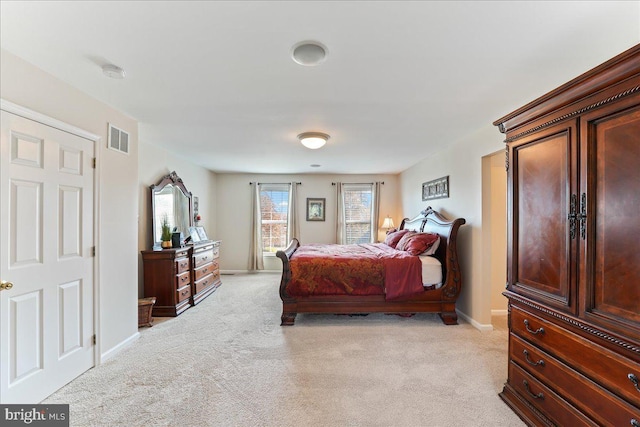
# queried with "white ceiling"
point(214, 81)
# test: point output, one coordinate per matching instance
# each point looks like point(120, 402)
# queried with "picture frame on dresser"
point(201, 233)
point(195, 236)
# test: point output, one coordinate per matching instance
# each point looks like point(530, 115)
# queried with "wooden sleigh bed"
point(439, 298)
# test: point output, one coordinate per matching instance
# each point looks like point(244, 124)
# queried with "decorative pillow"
point(394, 237)
point(417, 243)
point(404, 240)
point(432, 250)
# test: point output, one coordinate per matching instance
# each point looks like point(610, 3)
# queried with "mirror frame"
point(176, 181)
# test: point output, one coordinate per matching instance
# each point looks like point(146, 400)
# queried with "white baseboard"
point(479, 326)
point(499, 312)
point(118, 348)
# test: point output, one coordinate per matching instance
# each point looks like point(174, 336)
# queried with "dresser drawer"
point(206, 269)
point(584, 394)
point(182, 265)
point(182, 279)
point(605, 367)
point(204, 283)
point(183, 293)
point(202, 258)
point(545, 400)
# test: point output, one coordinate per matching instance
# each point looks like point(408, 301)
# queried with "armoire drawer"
point(584, 394)
point(545, 400)
point(182, 279)
point(616, 374)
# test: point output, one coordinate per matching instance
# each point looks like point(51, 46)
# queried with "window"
point(358, 213)
point(274, 207)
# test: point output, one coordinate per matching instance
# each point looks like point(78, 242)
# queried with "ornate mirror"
point(171, 198)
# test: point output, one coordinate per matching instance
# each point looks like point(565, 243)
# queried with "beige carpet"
point(228, 362)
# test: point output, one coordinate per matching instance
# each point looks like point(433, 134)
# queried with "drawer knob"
point(635, 422)
point(535, 396)
point(530, 362)
point(634, 380)
point(531, 331)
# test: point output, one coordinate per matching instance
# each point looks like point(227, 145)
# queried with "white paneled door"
point(46, 259)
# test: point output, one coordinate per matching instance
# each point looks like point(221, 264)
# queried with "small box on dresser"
point(573, 260)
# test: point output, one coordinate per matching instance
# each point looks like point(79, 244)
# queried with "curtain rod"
point(352, 183)
point(274, 183)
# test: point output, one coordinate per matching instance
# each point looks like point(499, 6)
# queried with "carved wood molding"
point(575, 113)
point(586, 328)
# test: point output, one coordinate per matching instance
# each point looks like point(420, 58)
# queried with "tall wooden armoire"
point(573, 279)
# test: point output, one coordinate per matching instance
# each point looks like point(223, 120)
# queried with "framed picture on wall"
point(315, 209)
point(436, 189)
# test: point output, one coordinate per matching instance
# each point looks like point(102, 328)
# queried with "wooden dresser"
point(180, 277)
point(573, 279)
point(206, 271)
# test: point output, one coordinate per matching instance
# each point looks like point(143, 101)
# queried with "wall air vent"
point(118, 139)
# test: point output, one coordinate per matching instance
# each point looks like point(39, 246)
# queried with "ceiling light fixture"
point(309, 53)
point(313, 140)
point(113, 71)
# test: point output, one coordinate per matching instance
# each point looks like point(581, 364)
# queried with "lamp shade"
point(313, 140)
point(388, 223)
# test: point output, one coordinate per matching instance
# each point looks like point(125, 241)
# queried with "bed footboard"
point(288, 317)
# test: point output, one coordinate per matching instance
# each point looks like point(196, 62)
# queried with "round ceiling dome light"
point(309, 53)
point(313, 140)
point(113, 71)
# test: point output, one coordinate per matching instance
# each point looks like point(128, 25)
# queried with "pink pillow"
point(404, 240)
point(417, 243)
point(393, 238)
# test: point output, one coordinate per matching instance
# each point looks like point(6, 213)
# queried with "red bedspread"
point(362, 269)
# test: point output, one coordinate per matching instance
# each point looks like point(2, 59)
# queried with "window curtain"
point(340, 219)
point(375, 211)
point(293, 225)
point(255, 257)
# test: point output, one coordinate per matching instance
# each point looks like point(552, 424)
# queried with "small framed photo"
point(202, 233)
point(193, 232)
point(315, 209)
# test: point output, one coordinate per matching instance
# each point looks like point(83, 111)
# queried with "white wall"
point(234, 211)
point(32, 88)
point(156, 162)
point(494, 230)
point(462, 161)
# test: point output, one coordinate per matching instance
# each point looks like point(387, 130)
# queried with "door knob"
point(5, 285)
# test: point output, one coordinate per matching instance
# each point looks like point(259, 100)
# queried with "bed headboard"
point(431, 221)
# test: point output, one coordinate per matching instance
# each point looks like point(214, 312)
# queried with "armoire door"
point(46, 224)
point(541, 243)
point(610, 261)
